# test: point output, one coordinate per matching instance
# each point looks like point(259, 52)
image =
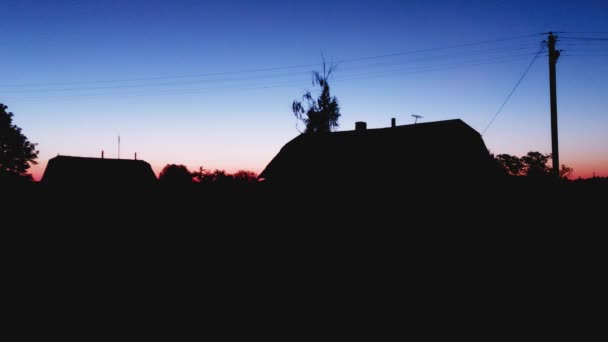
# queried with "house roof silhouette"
point(443, 150)
point(75, 171)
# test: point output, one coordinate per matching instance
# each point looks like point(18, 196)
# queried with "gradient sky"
point(211, 83)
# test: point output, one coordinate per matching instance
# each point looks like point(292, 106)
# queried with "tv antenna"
point(118, 146)
point(417, 117)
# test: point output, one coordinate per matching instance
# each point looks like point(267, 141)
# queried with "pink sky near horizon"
point(582, 168)
point(38, 170)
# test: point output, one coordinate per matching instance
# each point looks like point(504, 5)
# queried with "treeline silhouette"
point(179, 177)
point(182, 194)
point(534, 164)
point(204, 182)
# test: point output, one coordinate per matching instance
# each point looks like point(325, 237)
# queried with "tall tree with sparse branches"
point(16, 152)
point(319, 115)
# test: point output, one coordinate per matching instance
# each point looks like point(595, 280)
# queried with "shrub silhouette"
point(175, 175)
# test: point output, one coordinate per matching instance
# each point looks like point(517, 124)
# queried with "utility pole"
point(553, 56)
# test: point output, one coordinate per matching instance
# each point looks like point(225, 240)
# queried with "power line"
point(586, 38)
point(126, 86)
point(361, 76)
point(577, 44)
point(575, 55)
point(514, 88)
point(397, 72)
point(348, 60)
point(427, 58)
point(442, 48)
point(583, 50)
point(571, 32)
point(168, 77)
point(492, 57)
point(394, 72)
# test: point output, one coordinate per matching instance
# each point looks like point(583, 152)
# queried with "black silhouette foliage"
point(16, 151)
point(565, 172)
point(245, 176)
point(533, 164)
point(175, 175)
point(511, 164)
point(319, 115)
point(220, 177)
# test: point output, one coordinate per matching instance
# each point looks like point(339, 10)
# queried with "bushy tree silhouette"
point(533, 164)
point(200, 176)
point(244, 176)
point(175, 175)
point(321, 114)
point(511, 164)
point(16, 152)
point(222, 178)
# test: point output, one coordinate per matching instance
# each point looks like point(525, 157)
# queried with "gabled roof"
point(66, 170)
point(444, 148)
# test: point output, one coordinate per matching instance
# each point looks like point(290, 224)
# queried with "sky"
point(211, 83)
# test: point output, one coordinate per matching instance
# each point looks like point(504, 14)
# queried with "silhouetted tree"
point(220, 177)
point(511, 164)
point(244, 176)
point(175, 175)
point(322, 114)
point(565, 172)
point(16, 152)
point(535, 164)
point(205, 176)
point(201, 176)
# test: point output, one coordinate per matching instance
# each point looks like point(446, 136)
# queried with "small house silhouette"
point(81, 171)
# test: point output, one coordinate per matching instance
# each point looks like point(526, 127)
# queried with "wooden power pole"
point(553, 56)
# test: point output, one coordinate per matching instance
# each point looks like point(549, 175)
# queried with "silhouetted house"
point(100, 172)
point(443, 152)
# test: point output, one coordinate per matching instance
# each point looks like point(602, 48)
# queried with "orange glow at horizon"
point(581, 169)
point(38, 170)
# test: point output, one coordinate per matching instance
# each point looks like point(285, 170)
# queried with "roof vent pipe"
point(360, 126)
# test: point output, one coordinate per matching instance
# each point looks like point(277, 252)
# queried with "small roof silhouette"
point(446, 150)
point(67, 170)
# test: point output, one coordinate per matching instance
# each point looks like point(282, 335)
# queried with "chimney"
point(101, 154)
point(393, 122)
point(135, 155)
point(360, 126)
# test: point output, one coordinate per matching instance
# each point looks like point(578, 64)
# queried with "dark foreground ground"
point(491, 260)
point(400, 205)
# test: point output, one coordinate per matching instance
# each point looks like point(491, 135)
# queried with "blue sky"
point(211, 83)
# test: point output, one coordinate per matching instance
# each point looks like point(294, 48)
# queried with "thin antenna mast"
point(417, 117)
point(118, 146)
